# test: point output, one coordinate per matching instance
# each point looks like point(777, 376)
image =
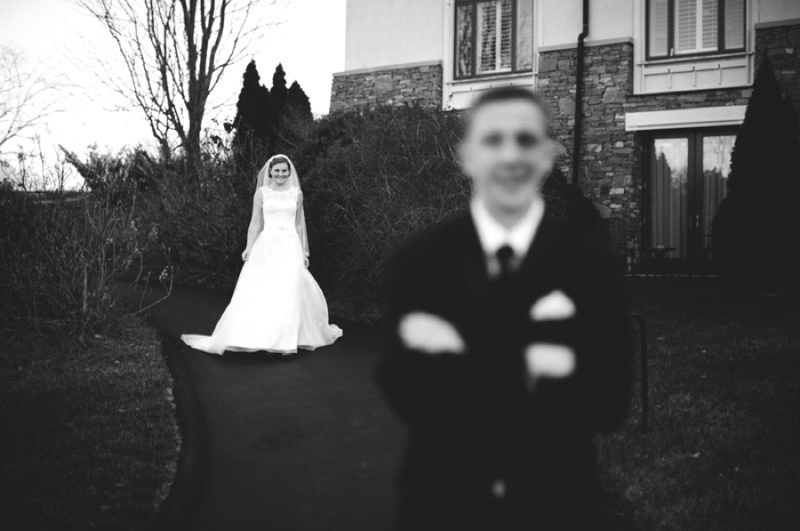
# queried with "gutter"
point(577, 136)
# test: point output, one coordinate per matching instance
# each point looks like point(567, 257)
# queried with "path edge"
point(177, 511)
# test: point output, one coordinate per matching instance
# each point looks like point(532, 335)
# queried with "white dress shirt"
point(493, 235)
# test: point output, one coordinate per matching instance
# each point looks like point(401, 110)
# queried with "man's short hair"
point(508, 93)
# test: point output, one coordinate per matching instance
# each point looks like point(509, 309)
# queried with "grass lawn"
point(89, 439)
point(724, 449)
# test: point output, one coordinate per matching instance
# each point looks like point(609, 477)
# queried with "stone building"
point(665, 84)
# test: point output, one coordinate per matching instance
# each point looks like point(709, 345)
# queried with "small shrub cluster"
point(61, 252)
point(59, 257)
point(370, 180)
point(202, 226)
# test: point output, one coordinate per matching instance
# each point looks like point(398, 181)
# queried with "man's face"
point(507, 153)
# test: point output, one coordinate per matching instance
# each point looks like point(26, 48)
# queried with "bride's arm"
point(300, 225)
point(256, 224)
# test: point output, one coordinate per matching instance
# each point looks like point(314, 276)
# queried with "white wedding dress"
point(277, 305)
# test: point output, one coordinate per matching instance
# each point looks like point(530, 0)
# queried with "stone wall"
point(419, 84)
point(782, 45)
point(611, 158)
point(612, 170)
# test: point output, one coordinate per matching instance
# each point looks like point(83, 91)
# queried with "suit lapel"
point(544, 256)
point(472, 261)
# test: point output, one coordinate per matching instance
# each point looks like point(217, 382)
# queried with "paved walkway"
point(272, 443)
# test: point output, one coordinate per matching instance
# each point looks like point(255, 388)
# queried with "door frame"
point(696, 261)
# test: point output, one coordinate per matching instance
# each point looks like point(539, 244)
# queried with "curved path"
point(271, 443)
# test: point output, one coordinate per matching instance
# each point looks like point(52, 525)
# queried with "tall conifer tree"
point(279, 91)
point(253, 111)
point(757, 226)
point(298, 103)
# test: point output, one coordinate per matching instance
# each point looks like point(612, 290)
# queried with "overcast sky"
point(55, 34)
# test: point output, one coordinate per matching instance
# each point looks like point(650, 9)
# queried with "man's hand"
point(430, 334)
point(553, 307)
point(245, 255)
point(548, 360)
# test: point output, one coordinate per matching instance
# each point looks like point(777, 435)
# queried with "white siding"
point(387, 33)
point(608, 19)
point(778, 10)
point(393, 32)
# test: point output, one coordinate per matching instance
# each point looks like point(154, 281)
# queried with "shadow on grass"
point(89, 436)
point(723, 452)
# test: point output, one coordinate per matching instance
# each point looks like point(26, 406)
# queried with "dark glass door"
point(687, 180)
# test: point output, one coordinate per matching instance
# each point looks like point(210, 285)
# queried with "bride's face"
point(280, 173)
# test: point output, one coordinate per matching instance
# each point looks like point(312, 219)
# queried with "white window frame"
point(698, 49)
point(451, 7)
point(498, 56)
point(458, 93)
point(692, 72)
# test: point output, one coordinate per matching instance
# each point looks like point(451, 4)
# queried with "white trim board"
point(387, 68)
point(588, 44)
point(778, 23)
point(685, 118)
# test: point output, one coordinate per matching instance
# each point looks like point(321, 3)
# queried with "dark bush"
point(757, 226)
point(201, 224)
point(60, 254)
point(566, 201)
point(136, 168)
point(371, 179)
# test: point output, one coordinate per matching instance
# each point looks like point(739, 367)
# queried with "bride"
point(277, 305)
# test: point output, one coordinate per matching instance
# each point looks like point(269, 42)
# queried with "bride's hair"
point(275, 161)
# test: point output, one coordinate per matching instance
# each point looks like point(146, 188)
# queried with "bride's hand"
point(245, 255)
point(305, 261)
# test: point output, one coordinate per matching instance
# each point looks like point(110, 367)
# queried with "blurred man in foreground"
point(508, 344)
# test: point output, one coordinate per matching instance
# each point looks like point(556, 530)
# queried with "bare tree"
point(174, 53)
point(23, 95)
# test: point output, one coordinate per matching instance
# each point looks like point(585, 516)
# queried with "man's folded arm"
point(421, 388)
point(610, 350)
point(596, 397)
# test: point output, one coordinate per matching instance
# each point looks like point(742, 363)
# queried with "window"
point(493, 37)
point(691, 27)
point(688, 180)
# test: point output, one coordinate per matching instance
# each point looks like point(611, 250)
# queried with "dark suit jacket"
point(471, 419)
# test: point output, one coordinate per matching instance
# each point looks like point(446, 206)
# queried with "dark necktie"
point(505, 255)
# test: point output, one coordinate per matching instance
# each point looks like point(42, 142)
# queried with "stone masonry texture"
point(394, 86)
point(612, 159)
point(612, 170)
point(782, 46)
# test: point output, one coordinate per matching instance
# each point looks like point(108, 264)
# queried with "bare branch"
point(26, 96)
point(174, 53)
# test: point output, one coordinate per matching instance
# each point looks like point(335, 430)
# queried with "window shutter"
point(658, 27)
point(495, 32)
point(685, 26)
point(734, 24)
point(506, 30)
point(710, 22)
point(525, 35)
point(487, 37)
point(464, 52)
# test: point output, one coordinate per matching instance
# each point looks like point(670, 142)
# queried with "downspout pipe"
point(579, 58)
